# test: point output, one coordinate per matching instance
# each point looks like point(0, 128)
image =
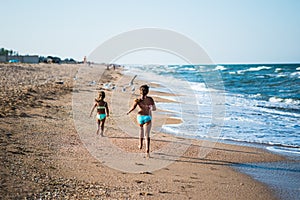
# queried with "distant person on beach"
point(102, 111)
point(144, 117)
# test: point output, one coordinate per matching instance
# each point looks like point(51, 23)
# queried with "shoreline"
point(44, 157)
point(166, 97)
point(283, 191)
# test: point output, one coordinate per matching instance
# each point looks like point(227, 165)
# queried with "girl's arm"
point(93, 109)
point(133, 107)
point(152, 106)
point(107, 110)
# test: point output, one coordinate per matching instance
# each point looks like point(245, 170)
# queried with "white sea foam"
point(275, 99)
point(201, 68)
point(284, 149)
point(186, 69)
point(242, 119)
point(287, 101)
point(253, 69)
point(169, 129)
point(296, 74)
point(272, 112)
point(255, 95)
point(220, 67)
point(201, 87)
point(278, 69)
point(240, 71)
point(259, 68)
point(281, 75)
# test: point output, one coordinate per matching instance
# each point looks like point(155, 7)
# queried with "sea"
point(248, 104)
point(245, 104)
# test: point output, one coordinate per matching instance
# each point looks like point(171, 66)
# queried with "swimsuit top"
point(101, 107)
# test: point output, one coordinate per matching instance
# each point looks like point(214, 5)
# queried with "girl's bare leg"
point(141, 137)
point(98, 127)
point(102, 126)
point(147, 134)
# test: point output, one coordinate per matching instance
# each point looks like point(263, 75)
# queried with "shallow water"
point(282, 177)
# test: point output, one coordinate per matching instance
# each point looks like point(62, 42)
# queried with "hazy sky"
point(230, 31)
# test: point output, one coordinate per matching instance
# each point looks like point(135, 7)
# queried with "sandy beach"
point(43, 155)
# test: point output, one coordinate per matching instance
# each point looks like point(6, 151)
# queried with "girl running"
point(102, 112)
point(146, 105)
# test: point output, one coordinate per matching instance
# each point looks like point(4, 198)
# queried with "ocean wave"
point(242, 119)
point(278, 69)
point(285, 149)
point(186, 69)
point(288, 146)
point(279, 110)
point(253, 69)
point(296, 74)
point(281, 75)
point(201, 87)
point(287, 101)
point(275, 99)
point(258, 95)
point(258, 68)
point(291, 148)
point(220, 67)
point(172, 128)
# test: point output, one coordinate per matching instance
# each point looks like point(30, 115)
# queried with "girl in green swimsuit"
point(102, 112)
point(146, 105)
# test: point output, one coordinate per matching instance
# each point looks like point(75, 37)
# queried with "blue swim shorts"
point(101, 116)
point(142, 119)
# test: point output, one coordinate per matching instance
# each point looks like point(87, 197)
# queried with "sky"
point(230, 31)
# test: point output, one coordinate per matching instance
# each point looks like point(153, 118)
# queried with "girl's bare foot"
point(141, 143)
point(147, 155)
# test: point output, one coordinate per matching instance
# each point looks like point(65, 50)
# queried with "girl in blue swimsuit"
point(144, 117)
point(102, 112)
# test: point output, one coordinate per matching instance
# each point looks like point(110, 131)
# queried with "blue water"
point(254, 104)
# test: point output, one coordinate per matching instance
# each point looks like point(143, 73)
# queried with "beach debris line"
point(111, 86)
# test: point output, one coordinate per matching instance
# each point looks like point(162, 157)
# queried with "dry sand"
point(43, 157)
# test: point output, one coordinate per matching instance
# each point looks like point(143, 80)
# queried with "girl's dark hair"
point(101, 95)
point(145, 88)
